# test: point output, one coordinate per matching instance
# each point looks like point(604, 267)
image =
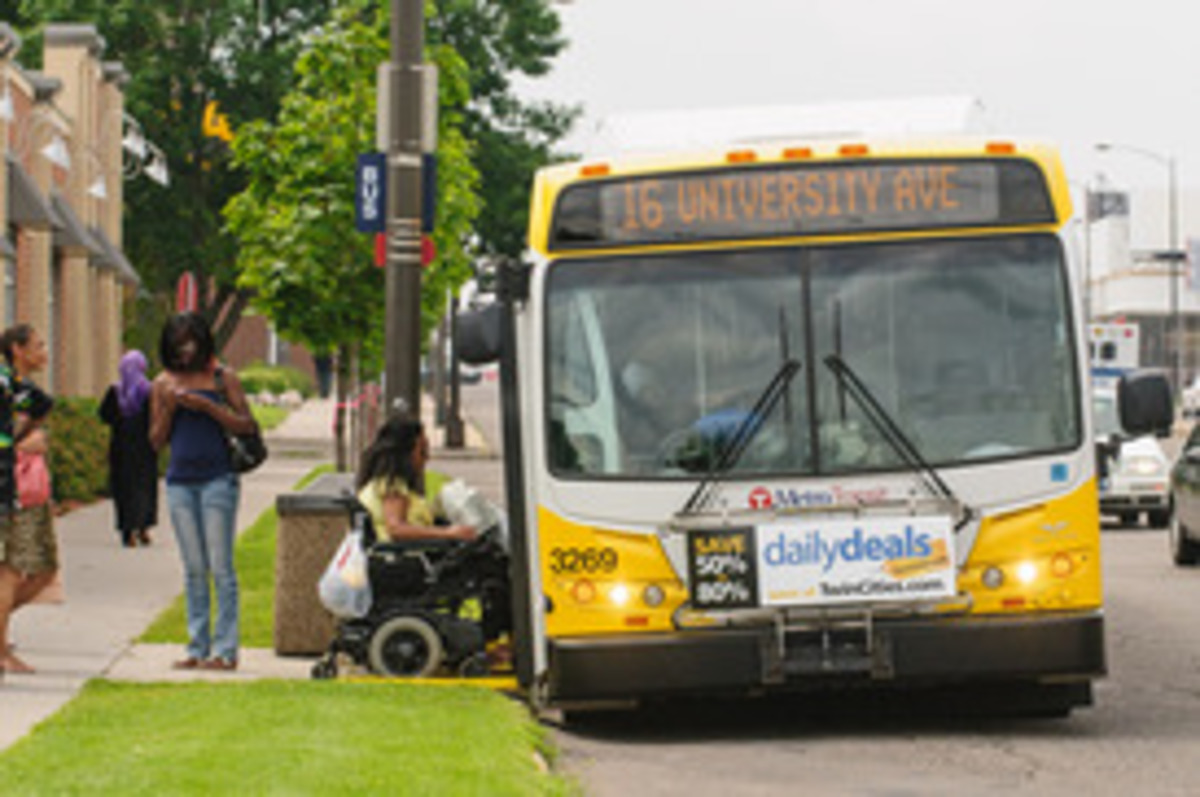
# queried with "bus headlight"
point(993, 577)
point(1026, 572)
point(653, 596)
point(619, 594)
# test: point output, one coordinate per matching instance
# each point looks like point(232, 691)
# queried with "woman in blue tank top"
point(190, 410)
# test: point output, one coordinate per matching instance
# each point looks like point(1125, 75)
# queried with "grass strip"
point(281, 738)
point(269, 417)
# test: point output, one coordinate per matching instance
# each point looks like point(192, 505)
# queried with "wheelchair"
point(435, 604)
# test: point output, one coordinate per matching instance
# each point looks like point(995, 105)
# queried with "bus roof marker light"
point(854, 150)
point(741, 156)
point(797, 153)
point(595, 170)
point(1001, 148)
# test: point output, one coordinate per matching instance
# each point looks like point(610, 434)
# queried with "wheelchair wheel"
point(405, 647)
point(474, 667)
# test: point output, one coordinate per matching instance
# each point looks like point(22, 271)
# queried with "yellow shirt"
point(374, 492)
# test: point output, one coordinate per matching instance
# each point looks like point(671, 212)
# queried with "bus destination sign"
point(799, 200)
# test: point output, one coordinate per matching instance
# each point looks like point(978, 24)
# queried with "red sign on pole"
point(428, 250)
point(187, 293)
point(380, 249)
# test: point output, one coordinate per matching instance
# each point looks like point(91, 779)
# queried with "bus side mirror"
point(1144, 399)
point(478, 336)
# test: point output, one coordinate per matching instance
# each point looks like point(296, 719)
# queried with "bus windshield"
point(654, 361)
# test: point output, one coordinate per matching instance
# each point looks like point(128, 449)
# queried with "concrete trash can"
point(311, 526)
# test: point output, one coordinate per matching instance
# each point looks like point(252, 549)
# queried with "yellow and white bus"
point(801, 414)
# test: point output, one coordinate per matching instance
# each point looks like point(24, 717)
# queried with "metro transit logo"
point(762, 497)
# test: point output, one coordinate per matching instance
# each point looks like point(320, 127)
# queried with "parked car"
point(1184, 529)
point(1138, 479)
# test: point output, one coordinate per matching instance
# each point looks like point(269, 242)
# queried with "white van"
point(1138, 477)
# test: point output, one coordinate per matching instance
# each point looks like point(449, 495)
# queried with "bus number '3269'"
point(583, 560)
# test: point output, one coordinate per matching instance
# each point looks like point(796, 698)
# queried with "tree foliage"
point(182, 55)
point(513, 138)
point(311, 272)
point(11, 11)
point(242, 53)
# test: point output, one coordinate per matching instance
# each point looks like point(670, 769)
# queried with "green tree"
point(11, 12)
point(181, 56)
point(498, 40)
point(311, 272)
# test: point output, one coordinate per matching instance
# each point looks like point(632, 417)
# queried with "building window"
point(10, 280)
point(10, 291)
point(54, 338)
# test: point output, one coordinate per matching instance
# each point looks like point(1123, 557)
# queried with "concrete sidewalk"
point(114, 593)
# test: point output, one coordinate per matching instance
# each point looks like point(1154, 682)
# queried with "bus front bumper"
point(1058, 648)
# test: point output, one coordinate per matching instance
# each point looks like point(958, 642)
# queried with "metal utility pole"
point(1177, 257)
point(402, 328)
point(1173, 329)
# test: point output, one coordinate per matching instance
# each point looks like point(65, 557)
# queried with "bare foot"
point(12, 664)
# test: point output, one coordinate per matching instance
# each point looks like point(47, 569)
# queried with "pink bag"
point(33, 479)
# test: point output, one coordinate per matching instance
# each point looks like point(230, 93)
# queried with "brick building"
point(255, 341)
point(65, 136)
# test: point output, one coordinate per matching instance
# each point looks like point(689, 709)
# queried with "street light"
point(1173, 253)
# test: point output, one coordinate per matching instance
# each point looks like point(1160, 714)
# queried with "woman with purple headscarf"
point(132, 463)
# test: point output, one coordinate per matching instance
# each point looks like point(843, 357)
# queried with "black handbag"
point(246, 451)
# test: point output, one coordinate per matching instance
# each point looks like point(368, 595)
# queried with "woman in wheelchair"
point(390, 485)
point(439, 592)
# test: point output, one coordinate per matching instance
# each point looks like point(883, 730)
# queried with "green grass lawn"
point(269, 417)
point(281, 738)
point(277, 737)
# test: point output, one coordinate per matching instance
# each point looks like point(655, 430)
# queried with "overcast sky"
point(1070, 71)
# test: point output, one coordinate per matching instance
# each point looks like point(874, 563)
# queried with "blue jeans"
point(204, 515)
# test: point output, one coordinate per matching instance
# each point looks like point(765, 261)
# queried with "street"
point(1140, 737)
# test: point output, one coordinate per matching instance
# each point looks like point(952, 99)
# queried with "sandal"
point(220, 664)
point(190, 663)
point(12, 664)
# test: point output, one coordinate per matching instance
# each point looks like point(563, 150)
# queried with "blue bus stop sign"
point(370, 193)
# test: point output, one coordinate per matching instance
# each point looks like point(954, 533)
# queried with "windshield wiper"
point(736, 445)
point(894, 435)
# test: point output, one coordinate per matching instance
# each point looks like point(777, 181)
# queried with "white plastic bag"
point(464, 505)
point(344, 589)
